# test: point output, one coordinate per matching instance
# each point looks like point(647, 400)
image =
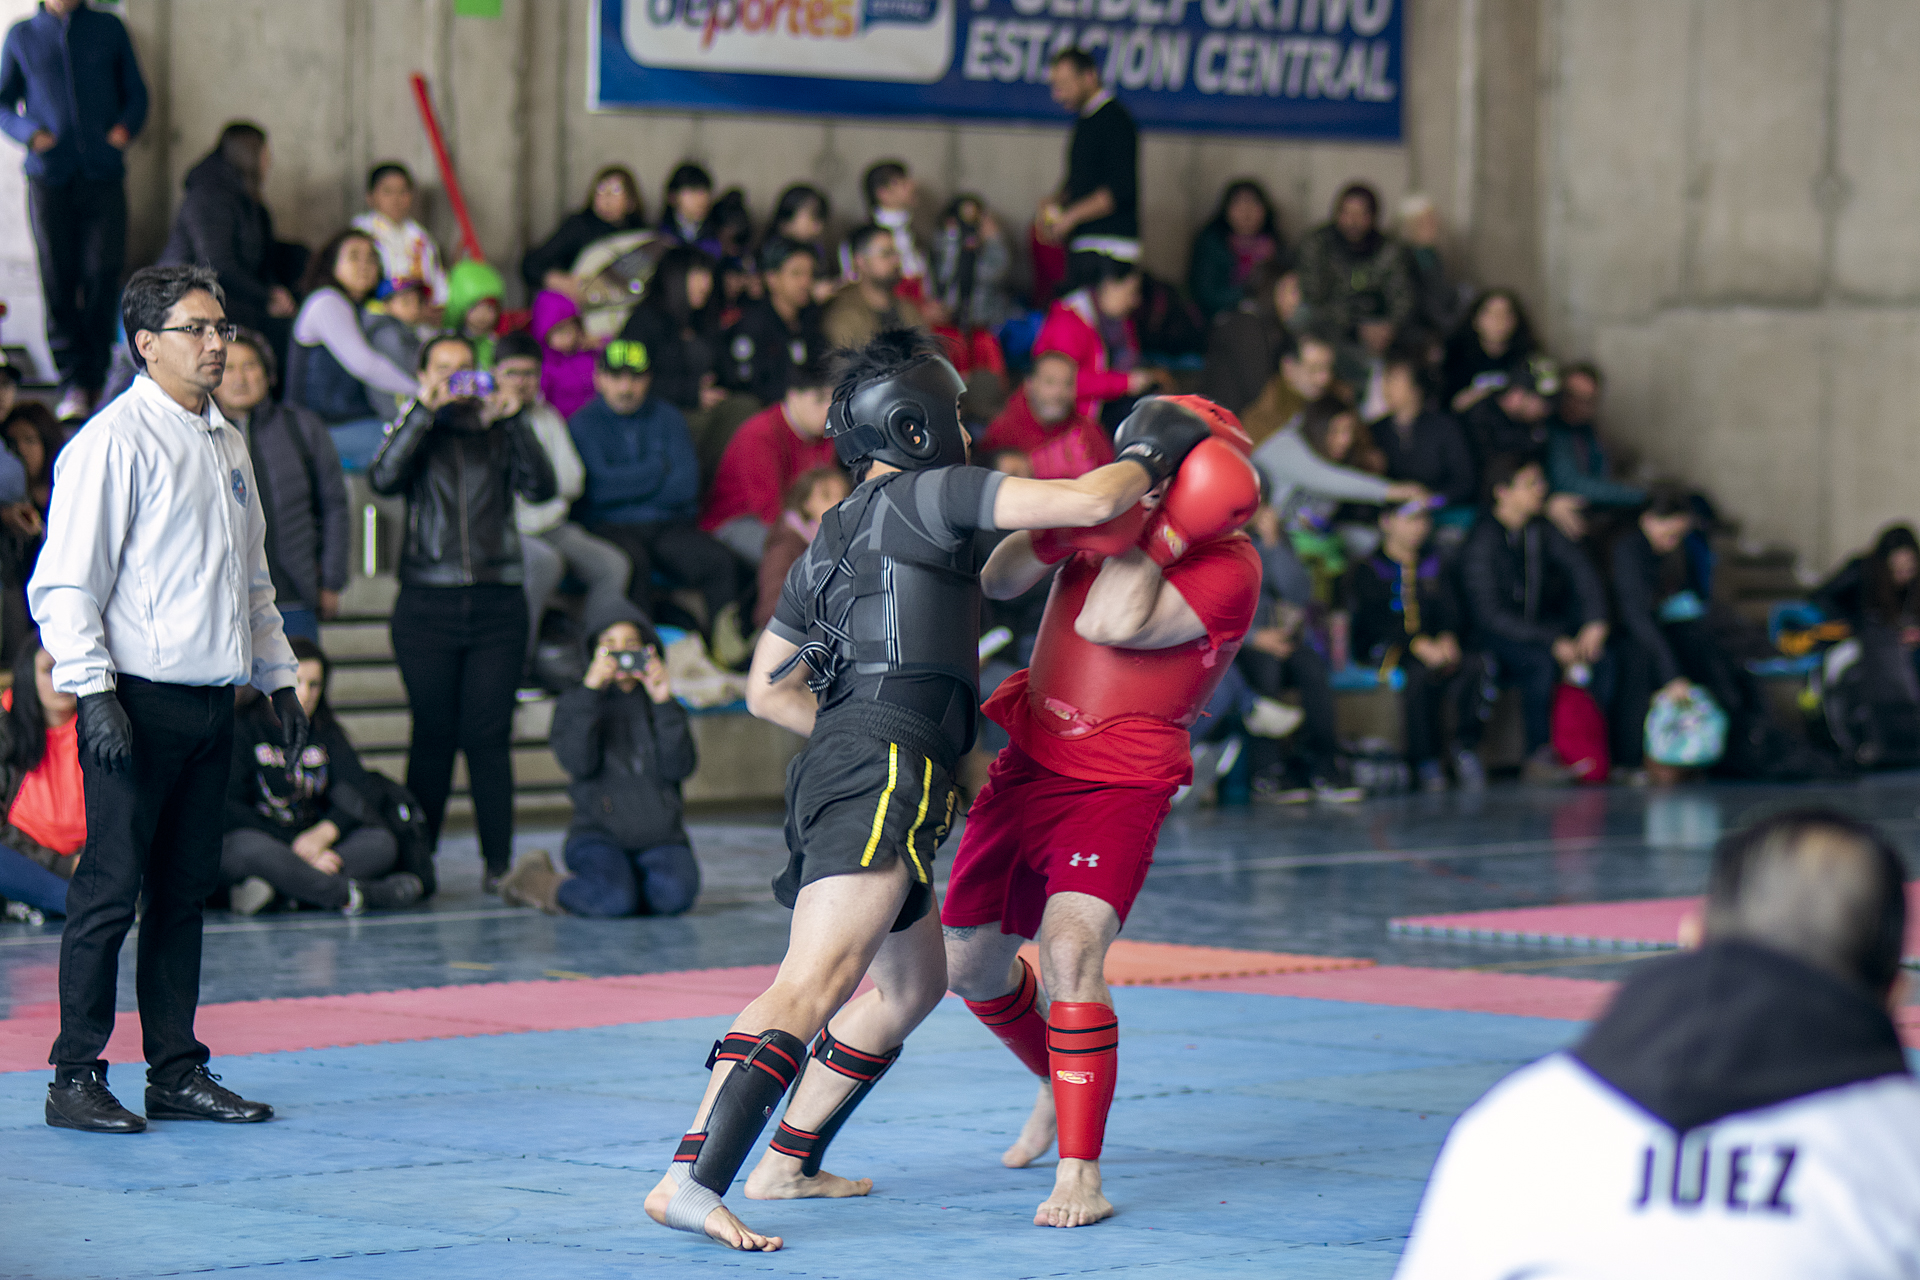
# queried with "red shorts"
point(1033, 833)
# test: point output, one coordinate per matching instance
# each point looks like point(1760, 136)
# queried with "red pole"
point(447, 175)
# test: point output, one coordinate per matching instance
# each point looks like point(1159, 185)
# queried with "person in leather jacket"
point(460, 623)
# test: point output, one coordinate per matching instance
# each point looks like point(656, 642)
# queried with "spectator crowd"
point(642, 446)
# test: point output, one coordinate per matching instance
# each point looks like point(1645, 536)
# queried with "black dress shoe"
point(201, 1097)
point(83, 1101)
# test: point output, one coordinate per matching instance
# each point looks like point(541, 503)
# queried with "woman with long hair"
point(679, 321)
point(1878, 594)
point(801, 215)
point(40, 787)
point(306, 831)
point(331, 366)
point(1488, 351)
point(613, 206)
point(1243, 233)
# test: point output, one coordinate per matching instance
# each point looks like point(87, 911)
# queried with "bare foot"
point(777, 1177)
point(1076, 1200)
point(721, 1224)
point(1036, 1136)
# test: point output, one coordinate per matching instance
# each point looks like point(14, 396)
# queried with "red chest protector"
point(1075, 686)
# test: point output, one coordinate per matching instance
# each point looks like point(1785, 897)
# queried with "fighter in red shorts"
point(1144, 618)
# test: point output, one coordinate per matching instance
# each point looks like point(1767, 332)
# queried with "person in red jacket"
point(1145, 616)
point(1094, 325)
point(1040, 422)
point(766, 455)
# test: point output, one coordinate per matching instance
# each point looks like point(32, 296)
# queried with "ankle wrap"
point(1083, 1051)
point(764, 1067)
point(864, 1069)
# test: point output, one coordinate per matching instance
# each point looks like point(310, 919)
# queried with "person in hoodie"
point(643, 484)
point(1742, 1109)
point(566, 361)
point(1094, 325)
point(223, 223)
point(474, 290)
point(626, 746)
point(1041, 422)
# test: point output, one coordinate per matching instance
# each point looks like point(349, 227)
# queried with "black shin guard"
point(764, 1067)
point(864, 1069)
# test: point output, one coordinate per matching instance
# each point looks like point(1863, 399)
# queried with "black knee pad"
point(865, 1069)
point(764, 1067)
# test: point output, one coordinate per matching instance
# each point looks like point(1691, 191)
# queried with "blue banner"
point(1327, 69)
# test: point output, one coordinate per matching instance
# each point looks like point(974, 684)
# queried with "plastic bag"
point(1687, 730)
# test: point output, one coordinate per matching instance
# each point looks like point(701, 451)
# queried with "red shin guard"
point(1083, 1049)
point(1016, 1020)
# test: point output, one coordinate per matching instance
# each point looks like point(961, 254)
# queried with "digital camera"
point(470, 384)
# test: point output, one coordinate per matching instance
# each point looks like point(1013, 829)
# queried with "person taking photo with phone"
point(626, 746)
point(459, 455)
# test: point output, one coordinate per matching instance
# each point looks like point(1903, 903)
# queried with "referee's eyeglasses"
point(199, 329)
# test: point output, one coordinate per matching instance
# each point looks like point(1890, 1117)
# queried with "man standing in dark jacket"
point(626, 746)
point(303, 491)
point(643, 483)
point(71, 93)
point(1534, 602)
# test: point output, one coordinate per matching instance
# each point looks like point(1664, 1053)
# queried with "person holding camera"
point(459, 454)
point(626, 746)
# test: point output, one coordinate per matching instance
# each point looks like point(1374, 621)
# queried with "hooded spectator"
point(474, 290)
point(566, 362)
point(223, 223)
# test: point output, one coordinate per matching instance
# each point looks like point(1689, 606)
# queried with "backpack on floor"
point(1580, 734)
point(401, 814)
point(1688, 731)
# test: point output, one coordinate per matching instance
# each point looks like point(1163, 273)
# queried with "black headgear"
point(908, 419)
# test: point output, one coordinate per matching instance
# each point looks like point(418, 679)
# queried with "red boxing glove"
point(1114, 538)
point(1214, 492)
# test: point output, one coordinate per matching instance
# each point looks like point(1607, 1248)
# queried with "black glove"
point(1158, 435)
point(292, 723)
point(105, 731)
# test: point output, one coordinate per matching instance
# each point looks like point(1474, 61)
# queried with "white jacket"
point(1555, 1175)
point(155, 559)
point(569, 473)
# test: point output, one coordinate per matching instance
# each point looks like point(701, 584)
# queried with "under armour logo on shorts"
point(1092, 859)
point(1075, 1077)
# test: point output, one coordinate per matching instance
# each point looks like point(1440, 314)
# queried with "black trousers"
point(1306, 671)
point(1425, 696)
point(80, 229)
point(683, 554)
point(155, 823)
point(460, 651)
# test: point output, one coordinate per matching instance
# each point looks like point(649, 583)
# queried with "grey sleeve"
point(1290, 464)
point(952, 502)
point(790, 616)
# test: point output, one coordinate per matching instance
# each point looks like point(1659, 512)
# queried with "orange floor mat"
point(1145, 964)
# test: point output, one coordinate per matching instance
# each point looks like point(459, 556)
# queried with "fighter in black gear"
point(871, 655)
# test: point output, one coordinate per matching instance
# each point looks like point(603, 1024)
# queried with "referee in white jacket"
point(153, 596)
point(1744, 1109)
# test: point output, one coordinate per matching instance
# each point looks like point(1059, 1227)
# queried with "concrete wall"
point(327, 79)
point(1727, 224)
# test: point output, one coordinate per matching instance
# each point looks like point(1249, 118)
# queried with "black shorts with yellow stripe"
point(856, 802)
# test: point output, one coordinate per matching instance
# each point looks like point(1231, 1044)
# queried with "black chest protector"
point(891, 603)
